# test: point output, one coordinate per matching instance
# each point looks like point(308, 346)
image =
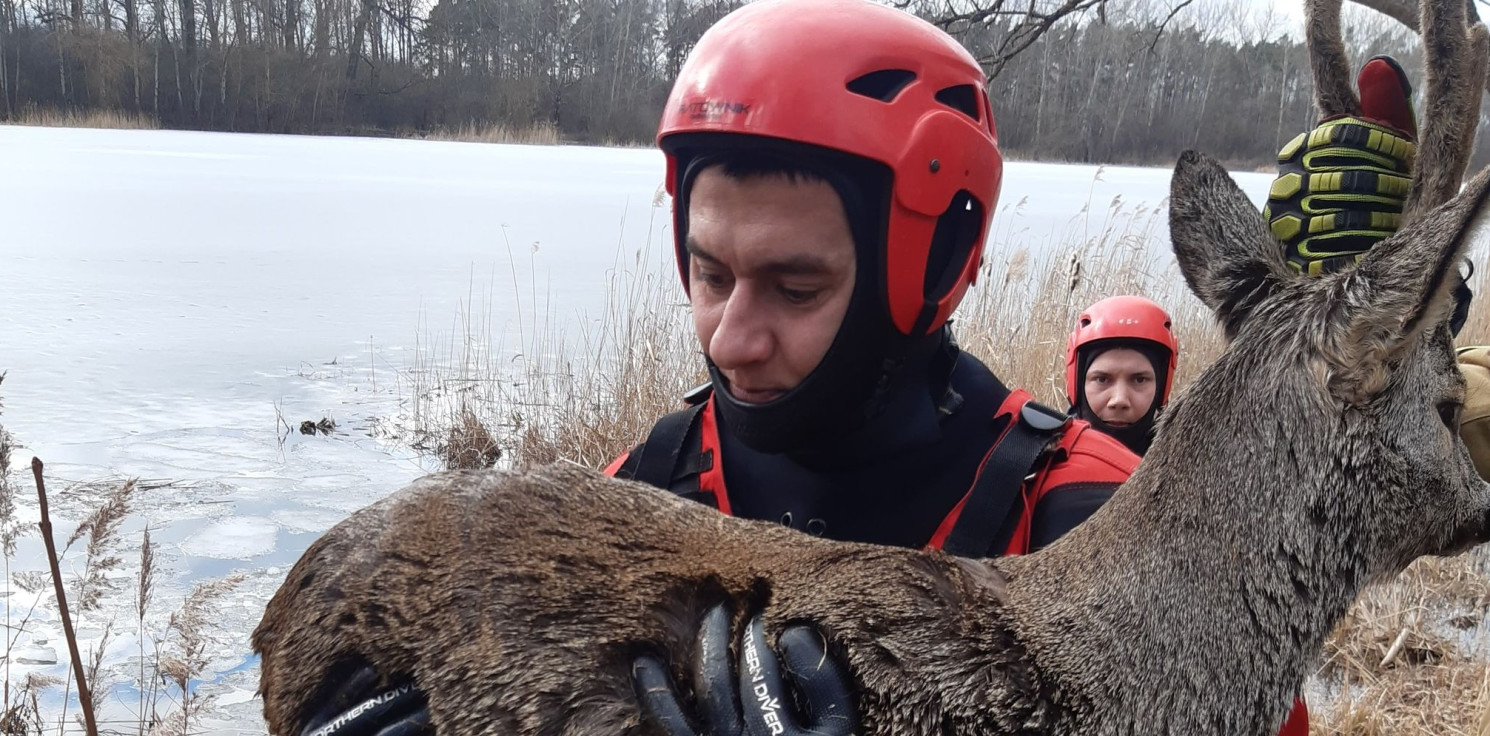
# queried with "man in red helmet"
point(833, 166)
point(1120, 363)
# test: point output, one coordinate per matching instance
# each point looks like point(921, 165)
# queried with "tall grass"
point(1409, 657)
point(585, 400)
point(50, 117)
point(541, 133)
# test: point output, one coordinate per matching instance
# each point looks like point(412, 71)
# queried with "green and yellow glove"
point(1340, 190)
point(1341, 186)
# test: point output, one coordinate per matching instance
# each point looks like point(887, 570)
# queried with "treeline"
point(1094, 85)
point(1139, 93)
point(595, 68)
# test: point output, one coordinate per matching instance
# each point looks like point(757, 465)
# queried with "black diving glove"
point(358, 708)
point(815, 698)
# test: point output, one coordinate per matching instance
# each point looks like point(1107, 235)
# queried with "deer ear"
point(1403, 287)
point(1224, 248)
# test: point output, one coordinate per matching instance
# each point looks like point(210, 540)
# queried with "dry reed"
point(471, 445)
point(541, 133)
point(144, 593)
point(104, 507)
point(188, 635)
point(587, 400)
point(1409, 658)
point(50, 117)
point(101, 527)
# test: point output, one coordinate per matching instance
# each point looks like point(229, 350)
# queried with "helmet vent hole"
point(962, 98)
point(883, 85)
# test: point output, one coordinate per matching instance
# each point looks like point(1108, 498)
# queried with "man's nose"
point(743, 336)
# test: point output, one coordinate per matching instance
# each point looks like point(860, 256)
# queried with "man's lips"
point(754, 395)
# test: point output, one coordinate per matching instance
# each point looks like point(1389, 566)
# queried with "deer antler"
point(1455, 55)
point(1456, 47)
point(1333, 92)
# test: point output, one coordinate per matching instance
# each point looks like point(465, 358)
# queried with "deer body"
point(515, 611)
point(1318, 454)
point(490, 560)
point(494, 609)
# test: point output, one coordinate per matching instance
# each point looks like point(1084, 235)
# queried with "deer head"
point(1355, 370)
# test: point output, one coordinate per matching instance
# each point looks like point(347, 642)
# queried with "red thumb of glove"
point(1386, 95)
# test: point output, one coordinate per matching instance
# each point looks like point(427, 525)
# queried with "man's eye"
point(799, 296)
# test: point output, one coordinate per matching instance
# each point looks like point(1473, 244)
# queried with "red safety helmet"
point(864, 79)
point(1123, 318)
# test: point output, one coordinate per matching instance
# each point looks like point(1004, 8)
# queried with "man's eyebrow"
point(797, 264)
point(697, 251)
point(800, 264)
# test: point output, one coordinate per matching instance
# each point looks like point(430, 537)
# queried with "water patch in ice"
point(241, 538)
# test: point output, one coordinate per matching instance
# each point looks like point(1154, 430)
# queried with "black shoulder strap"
point(664, 445)
point(1001, 480)
point(657, 462)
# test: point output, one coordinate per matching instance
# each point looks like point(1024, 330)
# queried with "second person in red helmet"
point(1120, 364)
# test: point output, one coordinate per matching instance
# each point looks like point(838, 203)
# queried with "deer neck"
point(1187, 605)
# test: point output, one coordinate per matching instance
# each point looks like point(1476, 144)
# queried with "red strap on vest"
point(712, 480)
point(1008, 413)
point(616, 464)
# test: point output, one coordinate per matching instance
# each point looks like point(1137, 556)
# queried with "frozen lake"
point(171, 303)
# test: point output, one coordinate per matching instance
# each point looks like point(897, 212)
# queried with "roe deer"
point(1317, 455)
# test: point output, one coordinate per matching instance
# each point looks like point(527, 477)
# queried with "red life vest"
point(1075, 457)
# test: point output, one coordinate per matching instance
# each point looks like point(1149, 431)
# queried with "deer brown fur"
point(1317, 455)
